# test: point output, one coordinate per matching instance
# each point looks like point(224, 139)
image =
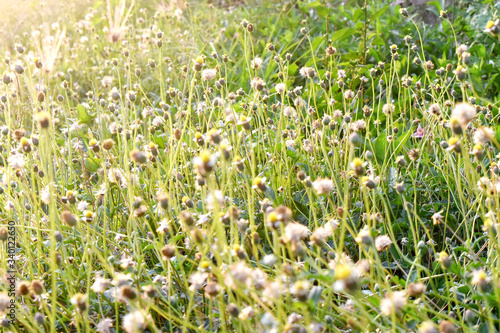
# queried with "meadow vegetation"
point(293, 166)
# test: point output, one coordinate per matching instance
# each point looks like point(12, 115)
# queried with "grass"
point(271, 167)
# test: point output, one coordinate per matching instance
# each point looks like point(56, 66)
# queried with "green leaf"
point(83, 116)
point(342, 33)
point(315, 295)
point(91, 165)
point(320, 9)
point(378, 13)
point(378, 41)
point(380, 145)
point(292, 69)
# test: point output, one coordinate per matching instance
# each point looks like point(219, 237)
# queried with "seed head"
point(68, 218)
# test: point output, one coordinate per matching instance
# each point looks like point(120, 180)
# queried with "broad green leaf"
point(83, 116)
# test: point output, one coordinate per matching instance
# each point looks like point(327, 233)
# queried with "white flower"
point(158, 121)
point(100, 285)
point(208, 74)
point(197, 280)
point(323, 186)
point(483, 135)
point(4, 302)
point(280, 88)
point(9, 205)
point(349, 94)
point(45, 195)
point(382, 242)
point(16, 161)
point(464, 113)
point(82, 205)
point(215, 199)
point(257, 63)
point(294, 232)
point(147, 111)
point(388, 108)
point(104, 325)
point(134, 322)
point(289, 111)
point(393, 303)
point(307, 72)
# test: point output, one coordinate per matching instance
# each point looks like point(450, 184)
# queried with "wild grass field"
point(250, 166)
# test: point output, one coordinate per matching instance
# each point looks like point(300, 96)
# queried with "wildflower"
point(295, 232)
point(246, 313)
point(413, 154)
point(43, 119)
point(382, 243)
point(126, 293)
point(393, 303)
point(289, 111)
point(461, 73)
point(446, 326)
point(300, 289)
point(256, 63)
point(368, 182)
point(131, 96)
point(258, 83)
point(483, 135)
point(346, 277)
point(215, 199)
point(463, 113)
point(164, 227)
point(454, 144)
point(134, 322)
point(358, 125)
point(388, 108)
point(444, 259)
point(212, 289)
point(435, 110)
point(280, 88)
point(428, 326)
point(238, 274)
point(138, 156)
point(68, 218)
point(45, 195)
point(330, 50)
point(364, 237)
point(204, 163)
point(245, 122)
point(323, 186)
point(357, 166)
point(349, 94)
point(415, 289)
point(197, 280)
point(307, 72)
point(16, 161)
point(148, 111)
point(320, 235)
point(280, 215)
point(478, 151)
point(104, 326)
point(493, 27)
point(100, 285)
point(80, 301)
point(437, 218)
point(37, 287)
point(87, 216)
point(208, 74)
point(481, 280)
